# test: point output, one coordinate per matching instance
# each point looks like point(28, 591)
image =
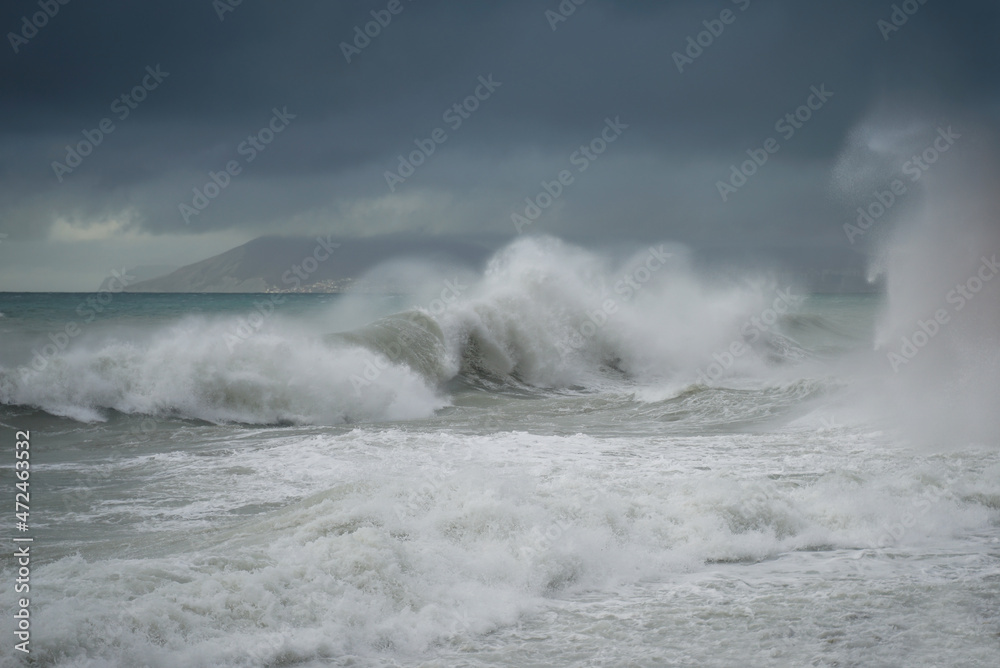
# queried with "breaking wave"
point(544, 316)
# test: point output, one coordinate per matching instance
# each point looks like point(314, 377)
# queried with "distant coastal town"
point(341, 285)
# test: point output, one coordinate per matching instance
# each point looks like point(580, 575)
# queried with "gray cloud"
point(326, 170)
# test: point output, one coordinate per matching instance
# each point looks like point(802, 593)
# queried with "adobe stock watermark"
point(138, 434)
point(900, 15)
point(250, 147)
point(915, 168)
point(37, 21)
point(455, 116)
point(122, 106)
point(433, 480)
point(295, 276)
point(363, 37)
point(714, 28)
point(223, 7)
point(247, 326)
point(88, 310)
point(920, 505)
point(762, 495)
point(541, 541)
point(750, 331)
point(566, 9)
point(959, 297)
point(627, 287)
point(450, 294)
point(787, 125)
point(582, 158)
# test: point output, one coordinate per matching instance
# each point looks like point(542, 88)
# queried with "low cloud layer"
point(167, 106)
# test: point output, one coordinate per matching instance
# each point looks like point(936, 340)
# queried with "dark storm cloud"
point(353, 119)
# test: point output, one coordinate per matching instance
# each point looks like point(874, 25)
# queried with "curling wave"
point(544, 316)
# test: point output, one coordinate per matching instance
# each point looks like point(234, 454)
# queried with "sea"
point(566, 458)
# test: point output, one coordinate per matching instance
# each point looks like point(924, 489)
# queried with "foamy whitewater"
point(569, 458)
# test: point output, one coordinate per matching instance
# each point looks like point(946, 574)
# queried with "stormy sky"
point(184, 90)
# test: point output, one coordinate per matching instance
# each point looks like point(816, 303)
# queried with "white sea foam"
point(190, 370)
point(398, 545)
point(544, 314)
point(557, 497)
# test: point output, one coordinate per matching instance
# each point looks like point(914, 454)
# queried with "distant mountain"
point(268, 263)
point(144, 272)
